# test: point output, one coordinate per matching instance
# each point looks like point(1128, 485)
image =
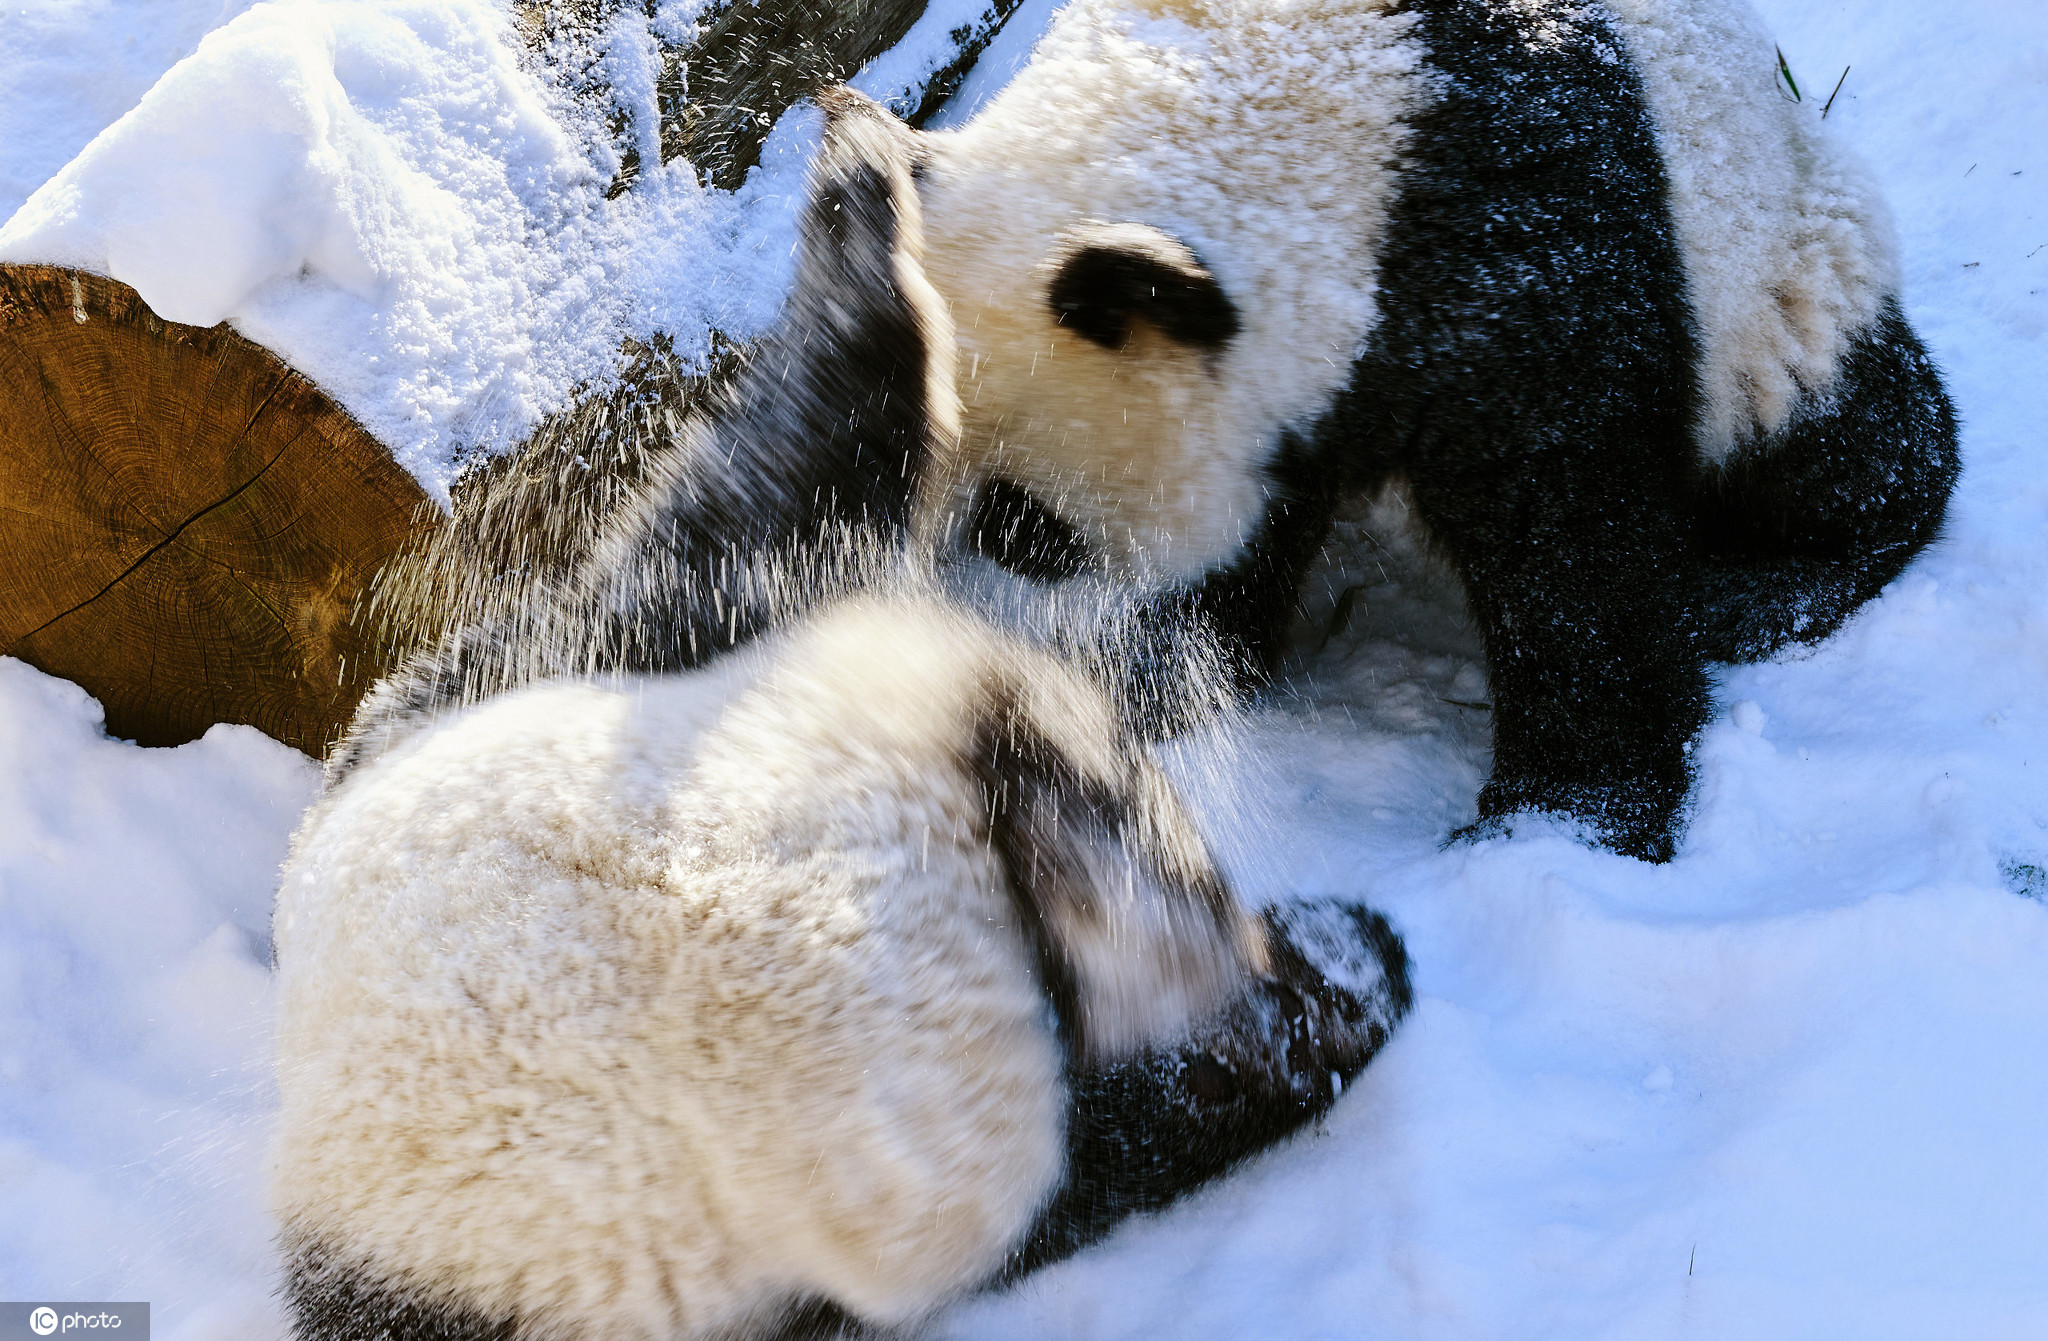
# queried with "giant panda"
point(1614, 311)
point(759, 940)
point(864, 967)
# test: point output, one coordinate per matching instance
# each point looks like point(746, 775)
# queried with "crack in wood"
point(160, 545)
point(236, 607)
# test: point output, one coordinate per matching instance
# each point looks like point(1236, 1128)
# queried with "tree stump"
point(185, 522)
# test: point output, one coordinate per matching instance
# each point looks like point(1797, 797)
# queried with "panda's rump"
point(889, 1105)
point(552, 1047)
point(1789, 252)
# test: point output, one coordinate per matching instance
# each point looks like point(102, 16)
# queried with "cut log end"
point(185, 523)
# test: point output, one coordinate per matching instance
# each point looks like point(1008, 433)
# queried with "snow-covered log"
point(189, 528)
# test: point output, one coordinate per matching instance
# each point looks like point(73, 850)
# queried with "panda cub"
point(1618, 316)
point(858, 970)
point(757, 941)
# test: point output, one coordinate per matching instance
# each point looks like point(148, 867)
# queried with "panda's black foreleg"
point(1797, 531)
point(1597, 686)
point(819, 450)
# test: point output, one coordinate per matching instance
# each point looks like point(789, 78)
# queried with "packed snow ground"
point(1792, 1085)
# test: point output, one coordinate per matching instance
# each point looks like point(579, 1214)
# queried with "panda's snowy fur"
point(1620, 314)
point(754, 941)
point(652, 1008)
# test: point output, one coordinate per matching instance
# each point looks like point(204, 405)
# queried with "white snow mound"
point(386, 194)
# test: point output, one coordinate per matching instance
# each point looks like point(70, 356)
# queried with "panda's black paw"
point(1640, 822)
point(1150, 1128)
point(1284, 1051)
point(1281, 1054)
point(1336, 989)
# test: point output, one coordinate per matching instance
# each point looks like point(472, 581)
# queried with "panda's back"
point(1622, 190)
point(557, 1032)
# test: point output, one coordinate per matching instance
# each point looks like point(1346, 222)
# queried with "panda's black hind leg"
point(332, 1297)
point(1798, 531)
point(821, 1320)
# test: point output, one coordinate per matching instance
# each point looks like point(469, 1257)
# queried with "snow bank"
point(388, 195)
point(69, 68)
point(135, 890)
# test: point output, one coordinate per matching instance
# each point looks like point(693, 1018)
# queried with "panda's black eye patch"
point(1109, 276)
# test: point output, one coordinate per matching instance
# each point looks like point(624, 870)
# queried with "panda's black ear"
point(1138, 934)
point(1106, 277)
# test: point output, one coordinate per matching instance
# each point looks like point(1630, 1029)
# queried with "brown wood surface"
point(185, 522)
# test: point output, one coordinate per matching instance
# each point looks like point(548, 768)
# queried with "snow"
point(388, 195)
point(1789, 1085)
point(1002, 58)
point(69, 68)
point(135, 890)
point(899, 75)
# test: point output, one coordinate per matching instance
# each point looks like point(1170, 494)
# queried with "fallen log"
point(185, 523)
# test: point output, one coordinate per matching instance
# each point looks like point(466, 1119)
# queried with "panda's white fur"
point(1266, 134)
point(642, 1008)
point(1789, 249)
point(1261, 133)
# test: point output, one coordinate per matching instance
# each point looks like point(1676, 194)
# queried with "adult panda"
point(1617, 312)
point(752, 940)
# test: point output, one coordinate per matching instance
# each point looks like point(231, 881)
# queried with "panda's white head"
point(1158, 245)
